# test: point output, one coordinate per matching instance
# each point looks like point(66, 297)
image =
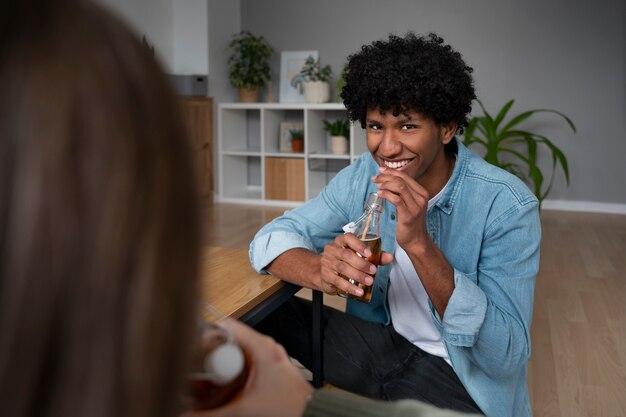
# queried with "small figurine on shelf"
point(297, 140)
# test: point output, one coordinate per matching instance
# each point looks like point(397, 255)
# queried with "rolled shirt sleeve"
point(465, 312)
point(490, 311)
point(268, 246)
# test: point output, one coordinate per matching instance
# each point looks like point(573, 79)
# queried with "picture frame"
point(285, 135)
point(291, 82)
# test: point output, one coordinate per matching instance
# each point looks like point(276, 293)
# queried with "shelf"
point(328, 156)
point(242, 132)
point(285, 154)
point(283, 106)
point(243, 152)
point(328, 164)
point(252, 167)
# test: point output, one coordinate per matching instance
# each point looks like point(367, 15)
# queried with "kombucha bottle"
point(366, 228)
point(220, 368)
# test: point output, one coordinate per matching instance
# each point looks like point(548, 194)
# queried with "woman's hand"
point(275, 388)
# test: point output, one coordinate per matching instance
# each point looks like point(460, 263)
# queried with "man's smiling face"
point(409, 142)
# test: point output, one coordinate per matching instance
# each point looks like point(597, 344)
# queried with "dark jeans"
point(367, 358)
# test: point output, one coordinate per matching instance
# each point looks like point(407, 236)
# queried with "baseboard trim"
point(257, 202)
point(557, 205)
point(584, 206)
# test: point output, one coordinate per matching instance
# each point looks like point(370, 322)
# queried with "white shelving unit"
point(251, 166)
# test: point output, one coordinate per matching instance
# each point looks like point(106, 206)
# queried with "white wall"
point(224, 21)
point(178, 30)
point(191, 38)
point(152, 19)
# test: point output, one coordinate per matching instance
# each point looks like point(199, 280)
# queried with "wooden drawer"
point(284, 179)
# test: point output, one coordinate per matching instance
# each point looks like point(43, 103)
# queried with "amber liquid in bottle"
point(205, 394)
point(367, 229)
point(374, 244)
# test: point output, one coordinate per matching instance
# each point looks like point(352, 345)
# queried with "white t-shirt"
point(408, 302)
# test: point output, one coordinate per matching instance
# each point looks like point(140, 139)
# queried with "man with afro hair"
point(449, 319)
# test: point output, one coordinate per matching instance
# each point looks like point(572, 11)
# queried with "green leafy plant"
point(515, 150)
point(248, 66)
point(338, 127)
point(296, 134)
point(313, 71)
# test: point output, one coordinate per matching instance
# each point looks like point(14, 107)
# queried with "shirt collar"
point(452, 188)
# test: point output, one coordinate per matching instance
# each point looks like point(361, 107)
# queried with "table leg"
point(318, 365)
point(262, 310)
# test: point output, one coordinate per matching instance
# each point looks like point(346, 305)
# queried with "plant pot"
point(339, 145)
point(248, 95)
point(316, 91)
point(297, 145)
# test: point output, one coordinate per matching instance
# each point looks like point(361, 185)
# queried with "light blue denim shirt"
point(487, 225)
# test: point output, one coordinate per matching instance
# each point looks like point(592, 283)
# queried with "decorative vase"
point(248, 95)
point(297, 145)
point(339, 145)
point(316, 91)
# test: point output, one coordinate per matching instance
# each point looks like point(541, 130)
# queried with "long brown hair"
point(99, 230)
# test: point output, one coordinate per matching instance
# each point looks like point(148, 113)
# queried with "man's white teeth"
point(396, 165)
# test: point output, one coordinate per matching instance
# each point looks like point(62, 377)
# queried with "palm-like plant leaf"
point(498, 140)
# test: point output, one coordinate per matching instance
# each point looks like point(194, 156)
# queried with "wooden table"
point(230, 285)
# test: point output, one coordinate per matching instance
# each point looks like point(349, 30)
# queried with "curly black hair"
point(418, 73)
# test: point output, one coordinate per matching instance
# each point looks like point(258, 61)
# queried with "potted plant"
point(515, 150)
point(248, 66)
point(297, 140)
point(339, 132)
point(316, 84)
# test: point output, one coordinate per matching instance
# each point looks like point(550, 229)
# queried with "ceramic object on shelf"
point(339, 145)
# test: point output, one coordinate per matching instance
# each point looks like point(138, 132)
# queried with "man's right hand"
point(347, 255)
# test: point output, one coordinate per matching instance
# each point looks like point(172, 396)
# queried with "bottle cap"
point(224, 363)
point(349, 228)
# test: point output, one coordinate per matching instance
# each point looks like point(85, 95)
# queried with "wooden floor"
point(578, 364)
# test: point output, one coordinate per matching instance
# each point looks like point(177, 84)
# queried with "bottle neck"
point(369, 224)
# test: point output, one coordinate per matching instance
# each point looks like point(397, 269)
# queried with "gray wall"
point(223, 21)
point(153, 19)
point(559, 54)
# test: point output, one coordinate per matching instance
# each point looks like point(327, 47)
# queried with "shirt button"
point(393, 217)
point(454, 338)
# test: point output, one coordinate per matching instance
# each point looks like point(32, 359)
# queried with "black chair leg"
point(318, 365)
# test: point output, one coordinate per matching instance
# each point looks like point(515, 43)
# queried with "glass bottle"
point(367, 229)
point(219, 367)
